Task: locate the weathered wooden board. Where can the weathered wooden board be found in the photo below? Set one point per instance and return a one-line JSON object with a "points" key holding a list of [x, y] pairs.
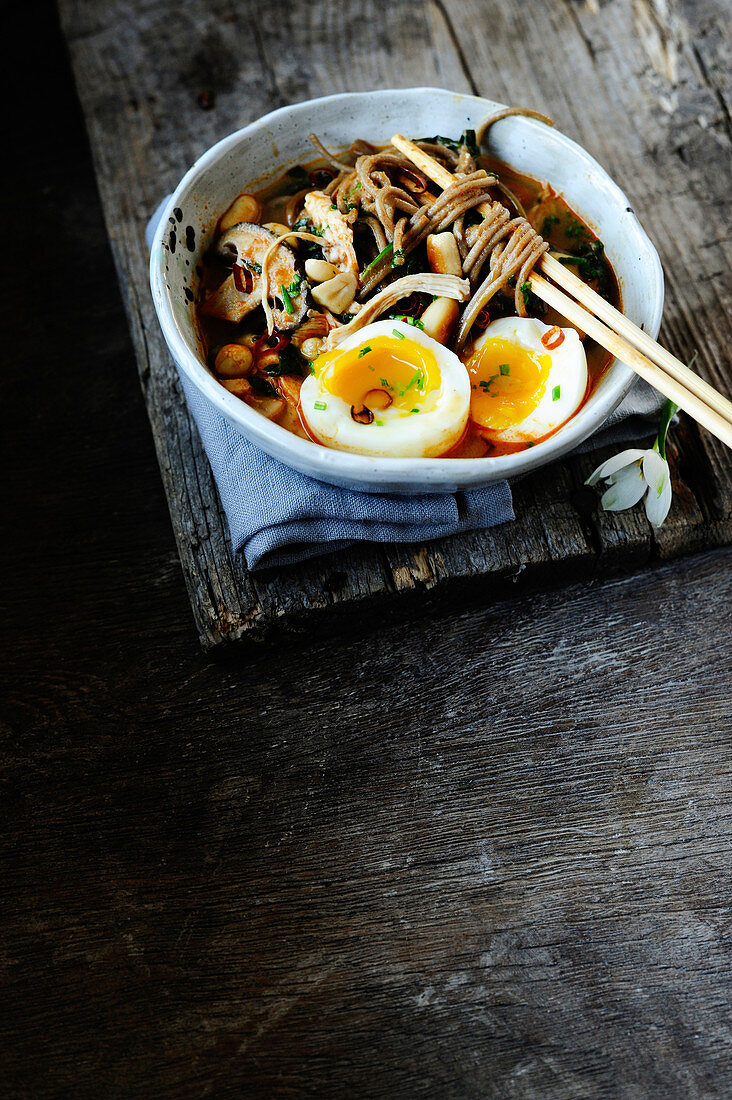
{"points": [[480, 856], [642, 85]]}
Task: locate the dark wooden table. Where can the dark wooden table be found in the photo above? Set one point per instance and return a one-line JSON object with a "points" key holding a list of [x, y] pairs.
{"points": [[467, 854]]}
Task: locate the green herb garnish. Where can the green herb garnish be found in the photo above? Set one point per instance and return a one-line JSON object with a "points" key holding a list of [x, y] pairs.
{"points": [[467, 138], [290, 361], [262, 386], [505, 368], [364, 351], [398, 257], [399, 335], [369, 267], [320, 405], [413, 321], [549, 221], [575, 228], [556, 393], [525, 289], [286, 299]]}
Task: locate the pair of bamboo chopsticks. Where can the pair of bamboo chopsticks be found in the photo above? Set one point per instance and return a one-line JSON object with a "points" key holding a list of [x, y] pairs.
{"points": [[610, 328]]}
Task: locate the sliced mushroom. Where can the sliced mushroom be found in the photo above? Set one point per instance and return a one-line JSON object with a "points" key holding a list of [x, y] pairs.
{"points": [[319, 271], [247, 244], [338, 293], [440, 318], [227, 303], [443, 255], [362, 415], [244, 208]]}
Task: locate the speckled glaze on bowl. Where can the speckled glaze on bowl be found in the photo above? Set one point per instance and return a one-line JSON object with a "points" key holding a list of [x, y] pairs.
{"points": [[278, 141]]}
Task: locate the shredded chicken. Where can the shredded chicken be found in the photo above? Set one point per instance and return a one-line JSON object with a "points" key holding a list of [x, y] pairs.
{"points": [[337, 239], [444, 286]]}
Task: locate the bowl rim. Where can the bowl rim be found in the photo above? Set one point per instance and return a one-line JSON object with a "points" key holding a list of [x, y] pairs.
{"points": [[365, 471]]}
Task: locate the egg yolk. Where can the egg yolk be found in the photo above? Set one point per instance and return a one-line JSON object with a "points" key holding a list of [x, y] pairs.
{"points": [[507, 382], [388, 371]]}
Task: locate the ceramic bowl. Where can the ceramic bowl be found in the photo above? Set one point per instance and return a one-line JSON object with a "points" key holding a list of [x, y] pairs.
{"points": [[264, 149]]}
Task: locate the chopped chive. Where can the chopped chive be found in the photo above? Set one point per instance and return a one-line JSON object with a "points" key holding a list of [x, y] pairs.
{"points": [[525, 289], [505, 368], [397, 257], [294, 286], [379, 423], [320, 405], [414, 321], [556, 392], [414, 411], [364, 351], [399, 335], [369, 267], [287, 300]]}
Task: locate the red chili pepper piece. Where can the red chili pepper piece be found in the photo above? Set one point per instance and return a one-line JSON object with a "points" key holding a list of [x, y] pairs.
{"points": [[412, 181], [483, 319], [243, 280], [412, 306], [553, 338]]}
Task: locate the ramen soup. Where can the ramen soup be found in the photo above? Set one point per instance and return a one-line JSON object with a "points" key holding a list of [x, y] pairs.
{"points": [[356, 303]]}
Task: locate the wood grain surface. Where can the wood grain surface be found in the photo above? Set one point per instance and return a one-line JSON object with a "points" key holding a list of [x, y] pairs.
{"points": [[643, 86], [471, 854]]}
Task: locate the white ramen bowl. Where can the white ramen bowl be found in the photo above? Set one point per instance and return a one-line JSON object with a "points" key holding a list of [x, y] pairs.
{"points": [[263, 150]]}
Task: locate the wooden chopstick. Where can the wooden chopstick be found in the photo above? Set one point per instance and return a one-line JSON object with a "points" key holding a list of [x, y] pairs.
{"points": [[634, 335], [663, 371]]}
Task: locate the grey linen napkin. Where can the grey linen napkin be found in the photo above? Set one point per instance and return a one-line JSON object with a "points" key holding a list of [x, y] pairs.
{"points": [[278, 516]]}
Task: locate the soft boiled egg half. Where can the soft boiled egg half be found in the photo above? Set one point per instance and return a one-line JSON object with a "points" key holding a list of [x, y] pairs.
{"points": [[526, 379], [389, 390]]}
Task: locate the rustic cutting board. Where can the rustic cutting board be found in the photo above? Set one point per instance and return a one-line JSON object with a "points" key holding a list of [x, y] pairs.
{"points": [[641, 85]]}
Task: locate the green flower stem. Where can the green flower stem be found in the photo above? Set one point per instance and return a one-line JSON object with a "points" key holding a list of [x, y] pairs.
{"points": [[668, 412]]}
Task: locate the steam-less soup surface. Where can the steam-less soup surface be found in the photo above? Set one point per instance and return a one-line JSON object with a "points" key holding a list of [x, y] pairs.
{"points": [[354, 303]]}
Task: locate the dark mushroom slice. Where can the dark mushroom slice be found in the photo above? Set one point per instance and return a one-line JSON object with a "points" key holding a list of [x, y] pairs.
{"points": [[361, 414], [247, 244]]}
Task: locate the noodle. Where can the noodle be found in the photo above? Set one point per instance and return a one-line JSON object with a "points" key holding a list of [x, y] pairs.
{"points": [[363, 224]]}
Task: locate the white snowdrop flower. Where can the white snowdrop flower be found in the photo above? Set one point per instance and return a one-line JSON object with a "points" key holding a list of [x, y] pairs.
{"points": [[630, 475], [634, 474]]}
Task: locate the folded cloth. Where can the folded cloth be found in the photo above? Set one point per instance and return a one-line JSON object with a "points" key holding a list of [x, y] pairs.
{"points": [[278, 516]]}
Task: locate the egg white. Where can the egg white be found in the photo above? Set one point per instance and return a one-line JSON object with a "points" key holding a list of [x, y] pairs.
{"points": [[438, 426], [568, 370]]}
